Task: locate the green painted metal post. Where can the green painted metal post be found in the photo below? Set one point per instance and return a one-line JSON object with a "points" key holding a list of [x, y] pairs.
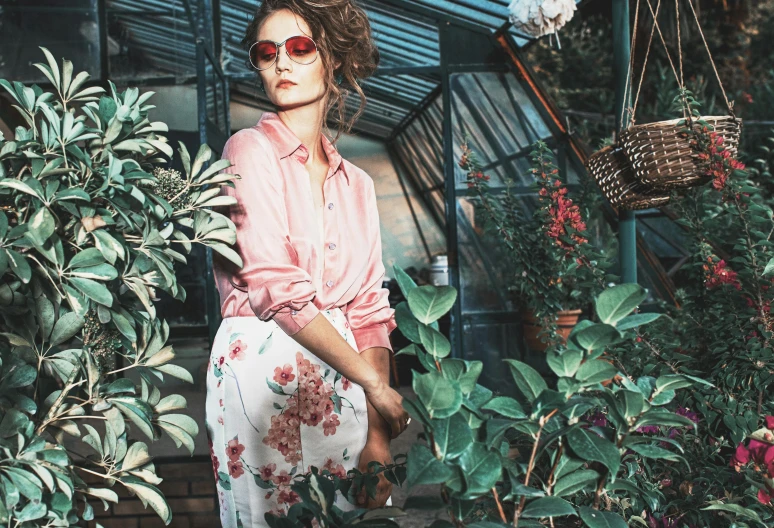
{"points": [[627, 222]]}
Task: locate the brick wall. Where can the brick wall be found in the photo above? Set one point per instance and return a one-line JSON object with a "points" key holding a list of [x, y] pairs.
{"points": [[189, 487]]}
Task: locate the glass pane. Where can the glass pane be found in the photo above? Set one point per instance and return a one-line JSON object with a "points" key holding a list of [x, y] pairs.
{"points": [[68, 30]]}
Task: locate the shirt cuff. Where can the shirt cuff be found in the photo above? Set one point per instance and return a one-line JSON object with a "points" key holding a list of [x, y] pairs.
{"points": [[376, 335], [291, 321]]}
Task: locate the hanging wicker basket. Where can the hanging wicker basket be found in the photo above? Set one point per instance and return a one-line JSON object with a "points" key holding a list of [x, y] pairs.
{"points": [[615, 176], [661, 155]]}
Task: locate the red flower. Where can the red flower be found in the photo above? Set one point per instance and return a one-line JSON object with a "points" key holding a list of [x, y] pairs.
{"points": [[764, 496], [770, 422], [234, 449], [741, 457], [720, 274]]}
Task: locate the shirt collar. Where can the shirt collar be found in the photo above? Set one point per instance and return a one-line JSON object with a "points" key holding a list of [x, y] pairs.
{"points": [[286, 143]]}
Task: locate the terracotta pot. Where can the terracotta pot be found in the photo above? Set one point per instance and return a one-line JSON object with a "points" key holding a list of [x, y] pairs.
{"points": [[567, 321]]}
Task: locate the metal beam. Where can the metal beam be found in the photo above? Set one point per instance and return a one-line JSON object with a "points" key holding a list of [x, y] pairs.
{"points": [[452, 243]]}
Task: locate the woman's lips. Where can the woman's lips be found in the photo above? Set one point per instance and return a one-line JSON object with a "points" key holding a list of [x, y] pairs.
{"points": [[285, 84]]}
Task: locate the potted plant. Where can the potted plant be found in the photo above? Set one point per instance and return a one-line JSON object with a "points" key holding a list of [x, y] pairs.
{"points": [[551, 268]]}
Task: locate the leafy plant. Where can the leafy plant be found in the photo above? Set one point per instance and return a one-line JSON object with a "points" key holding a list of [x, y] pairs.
{"points": [[89, 231], [543, 454], [548, 261]]}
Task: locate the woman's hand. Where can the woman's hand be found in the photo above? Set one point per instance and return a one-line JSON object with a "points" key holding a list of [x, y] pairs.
{"points": [[376, 448], [388, 402]]}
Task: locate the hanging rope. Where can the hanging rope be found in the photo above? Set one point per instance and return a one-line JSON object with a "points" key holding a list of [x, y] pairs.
{"points": [[717, 75], [630, 69]]}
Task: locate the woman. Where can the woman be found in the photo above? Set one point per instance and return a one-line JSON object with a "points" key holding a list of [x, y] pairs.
{"points": [[299, 368]]}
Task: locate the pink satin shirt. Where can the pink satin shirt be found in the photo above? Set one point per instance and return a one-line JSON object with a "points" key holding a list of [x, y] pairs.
{"points": [[298, 261]]}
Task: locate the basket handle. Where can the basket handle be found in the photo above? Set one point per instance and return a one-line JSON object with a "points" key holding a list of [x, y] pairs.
{"points": [[647, 53]]}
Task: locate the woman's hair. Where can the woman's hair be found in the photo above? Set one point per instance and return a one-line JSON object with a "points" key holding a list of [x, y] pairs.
{"points": [[342, 32]]}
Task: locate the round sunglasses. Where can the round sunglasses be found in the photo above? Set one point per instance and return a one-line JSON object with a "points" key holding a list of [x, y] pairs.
{"points": [[300, 48]]}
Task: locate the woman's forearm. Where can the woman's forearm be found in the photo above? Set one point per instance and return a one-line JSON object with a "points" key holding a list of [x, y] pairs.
{"points": [[379, 358], [321, 338]]}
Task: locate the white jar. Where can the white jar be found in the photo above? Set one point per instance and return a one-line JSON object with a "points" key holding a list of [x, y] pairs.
{"points": [[439, 270]]}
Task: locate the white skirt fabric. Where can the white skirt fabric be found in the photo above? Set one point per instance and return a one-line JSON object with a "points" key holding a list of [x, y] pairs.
{"points": [[273, 410]]}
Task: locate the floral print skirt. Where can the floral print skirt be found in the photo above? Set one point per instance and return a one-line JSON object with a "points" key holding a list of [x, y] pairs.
{"points": [[273, 410]]}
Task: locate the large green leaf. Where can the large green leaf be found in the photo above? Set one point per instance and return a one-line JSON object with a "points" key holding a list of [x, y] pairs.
{"points": [[423, 468], [481, 467], [619, 301], [566, 363], [506, 406], [451, 436], [434, 341], [547, 507], [597, 336], [527, 379], [428, 303], [591, 446], [441, 397], [405, 282], [575, 482], [149, 494], [600, 519]]}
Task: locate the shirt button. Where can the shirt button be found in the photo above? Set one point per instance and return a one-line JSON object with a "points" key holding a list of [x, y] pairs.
{"points": [[329, 283], [331, 246], [294, 312], [330, 205]]}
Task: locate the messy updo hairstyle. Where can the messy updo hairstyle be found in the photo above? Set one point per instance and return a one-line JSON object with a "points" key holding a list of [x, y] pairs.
{"points": [[342, 32]]}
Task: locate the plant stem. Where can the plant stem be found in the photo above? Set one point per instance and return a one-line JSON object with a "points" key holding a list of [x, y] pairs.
{"points": [[543, 421]]}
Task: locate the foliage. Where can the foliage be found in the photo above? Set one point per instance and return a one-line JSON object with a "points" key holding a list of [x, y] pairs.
{"points": [[89, 232], [544, 454], [721, 332], [549, 263]]}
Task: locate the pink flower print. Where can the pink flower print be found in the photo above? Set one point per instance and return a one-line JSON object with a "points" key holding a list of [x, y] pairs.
{"points": [[281, 479], [311, 415], [277, 511], [284, 434], [221, 402], [215, 461], [329, 426], [234, 449], [284, 375], [236, 350], [209, 366], [345, 383], [221, 360], [267, 471], [235, 468], [287, 496], [220, 420], [337, 470], [346, 324], [328, 407]]}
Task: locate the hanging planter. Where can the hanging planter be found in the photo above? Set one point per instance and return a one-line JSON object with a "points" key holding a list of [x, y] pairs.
{"points": [[615, 176], [663, 155], [531, 327]]}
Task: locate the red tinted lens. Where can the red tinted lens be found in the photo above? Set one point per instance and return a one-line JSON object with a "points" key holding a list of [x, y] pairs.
{"points": [[301, 49], [262, 54]]}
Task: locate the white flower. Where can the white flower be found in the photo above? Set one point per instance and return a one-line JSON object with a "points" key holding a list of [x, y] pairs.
{"points": [[540, 17]]}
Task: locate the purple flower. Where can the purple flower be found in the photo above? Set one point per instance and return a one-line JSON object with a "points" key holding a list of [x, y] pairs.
{"points": [[648, 429], [692, 416]]}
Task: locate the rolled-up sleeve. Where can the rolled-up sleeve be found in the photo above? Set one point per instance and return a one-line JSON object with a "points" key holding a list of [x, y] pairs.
{"points": [[369, 314], [277, 289]]}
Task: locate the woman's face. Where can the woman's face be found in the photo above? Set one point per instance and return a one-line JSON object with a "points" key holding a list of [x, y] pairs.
{"points": [[308, 79]]}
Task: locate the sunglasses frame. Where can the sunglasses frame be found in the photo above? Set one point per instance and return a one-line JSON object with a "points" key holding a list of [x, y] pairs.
{"points": [[276, 55]]}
